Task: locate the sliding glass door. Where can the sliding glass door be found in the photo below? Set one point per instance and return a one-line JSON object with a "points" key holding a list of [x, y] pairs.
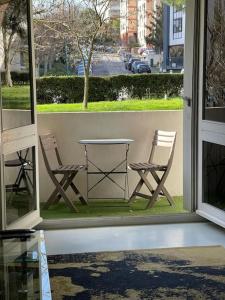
{"points": [[211, 145], [19, 186]]}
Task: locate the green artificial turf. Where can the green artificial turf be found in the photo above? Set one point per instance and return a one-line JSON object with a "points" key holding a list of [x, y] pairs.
{"points": [[126, 105], [16, 97], [101, 208]]}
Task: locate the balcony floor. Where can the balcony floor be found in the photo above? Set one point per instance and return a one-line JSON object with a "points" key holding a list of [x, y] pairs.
{"points": [[112, 207]]}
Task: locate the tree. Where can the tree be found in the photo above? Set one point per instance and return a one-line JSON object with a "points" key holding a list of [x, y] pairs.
{"points": [[174, 2], [87, 24], [155, 37], [48, 46], [48, 43], [81, 24], [13, 26]]}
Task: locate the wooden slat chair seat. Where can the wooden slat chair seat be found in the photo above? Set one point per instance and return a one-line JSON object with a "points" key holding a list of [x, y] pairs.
{"points": [[62, 169], [69, 172], [161, 139], [146, 167]]}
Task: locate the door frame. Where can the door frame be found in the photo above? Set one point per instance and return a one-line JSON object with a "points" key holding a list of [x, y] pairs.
{"points": [[190, 113], [209, 131], [16, 139]]}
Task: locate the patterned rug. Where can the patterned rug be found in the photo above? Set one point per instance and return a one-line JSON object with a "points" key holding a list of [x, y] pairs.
{"points": [[171, 274]]}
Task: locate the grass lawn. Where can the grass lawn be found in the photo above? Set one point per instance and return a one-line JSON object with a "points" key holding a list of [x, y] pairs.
{"points": [[101, 208], [128, 105], [16, 97]]}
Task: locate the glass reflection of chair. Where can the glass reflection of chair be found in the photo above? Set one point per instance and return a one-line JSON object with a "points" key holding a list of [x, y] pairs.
{"points": [[23, 181]]}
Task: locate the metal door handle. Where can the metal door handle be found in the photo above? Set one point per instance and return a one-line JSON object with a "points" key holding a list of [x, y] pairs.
{"points": [[187, 100]]}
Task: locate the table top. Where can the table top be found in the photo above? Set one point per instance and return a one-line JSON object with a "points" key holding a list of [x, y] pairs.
{"points": [[106, 141]]}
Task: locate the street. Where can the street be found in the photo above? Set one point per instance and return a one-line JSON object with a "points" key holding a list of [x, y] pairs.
{"points": [[107, 64]]}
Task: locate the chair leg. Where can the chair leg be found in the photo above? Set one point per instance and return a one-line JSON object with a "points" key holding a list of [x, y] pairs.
{"points": [[63, 194], [143, 176], [74, 188], [52, 198], [138, 186], [26, 182], [166, 193], [136, 190], [78, 194], [157, 190]]}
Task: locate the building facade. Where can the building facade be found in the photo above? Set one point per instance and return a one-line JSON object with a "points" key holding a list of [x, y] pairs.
{"points": [[113, 11], [145, 14], [173, 37], [128, 22]]}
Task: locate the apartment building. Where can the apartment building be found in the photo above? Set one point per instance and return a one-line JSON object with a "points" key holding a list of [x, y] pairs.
{"points": [[145, 9], [145, 13], [174, 34], [128, 22], [114, 9]]}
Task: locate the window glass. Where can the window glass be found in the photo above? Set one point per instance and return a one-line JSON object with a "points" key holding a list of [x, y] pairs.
{"points": [[214, 62], [177, 22], [20, 184], [15, 64], [214, 174]]}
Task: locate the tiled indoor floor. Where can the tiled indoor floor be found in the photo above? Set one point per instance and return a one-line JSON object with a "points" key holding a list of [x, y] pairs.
{"points": [[133, 237]]}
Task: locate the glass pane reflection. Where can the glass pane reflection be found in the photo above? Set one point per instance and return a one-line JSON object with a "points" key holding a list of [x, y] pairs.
{"points": [[15, 64], [214, 174], [23, 269], [214, 87], [19, 174]]}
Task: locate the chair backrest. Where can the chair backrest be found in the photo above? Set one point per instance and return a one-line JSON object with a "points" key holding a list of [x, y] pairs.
{"points": [[48, 143], [164, 139]]}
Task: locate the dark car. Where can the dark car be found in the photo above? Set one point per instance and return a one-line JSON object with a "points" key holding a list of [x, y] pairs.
{"points": [[134, 65], [143, 68], [129, 63], [126, 57]]}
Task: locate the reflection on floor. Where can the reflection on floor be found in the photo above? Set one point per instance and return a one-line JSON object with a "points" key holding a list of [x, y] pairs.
{"points": [[112, 207], [133, 237]]}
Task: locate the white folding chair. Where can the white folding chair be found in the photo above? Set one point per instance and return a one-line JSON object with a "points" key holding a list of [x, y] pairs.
{"points": [[69, 172], [161, 139]]}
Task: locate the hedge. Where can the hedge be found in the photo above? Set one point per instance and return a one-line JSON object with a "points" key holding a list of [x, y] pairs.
{"points": [[69, 89], [17, 77]]}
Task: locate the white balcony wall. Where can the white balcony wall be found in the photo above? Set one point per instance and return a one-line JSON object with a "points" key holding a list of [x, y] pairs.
{"points": [[69, 128]]}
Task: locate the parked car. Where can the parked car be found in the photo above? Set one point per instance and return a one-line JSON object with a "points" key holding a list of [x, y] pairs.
{"points": [[143, 68], [80, 69], [126, 57], [129, 63], [134, 65]]}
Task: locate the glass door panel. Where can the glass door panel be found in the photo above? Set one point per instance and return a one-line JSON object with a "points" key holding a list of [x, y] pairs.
{"points": [[214, 62], [18, 131], [15, 64], [213, 174], [211, 146], [20, 184]]}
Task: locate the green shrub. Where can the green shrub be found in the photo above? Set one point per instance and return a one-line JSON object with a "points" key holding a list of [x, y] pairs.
{"points": [[19, 78], [69, 89]]}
